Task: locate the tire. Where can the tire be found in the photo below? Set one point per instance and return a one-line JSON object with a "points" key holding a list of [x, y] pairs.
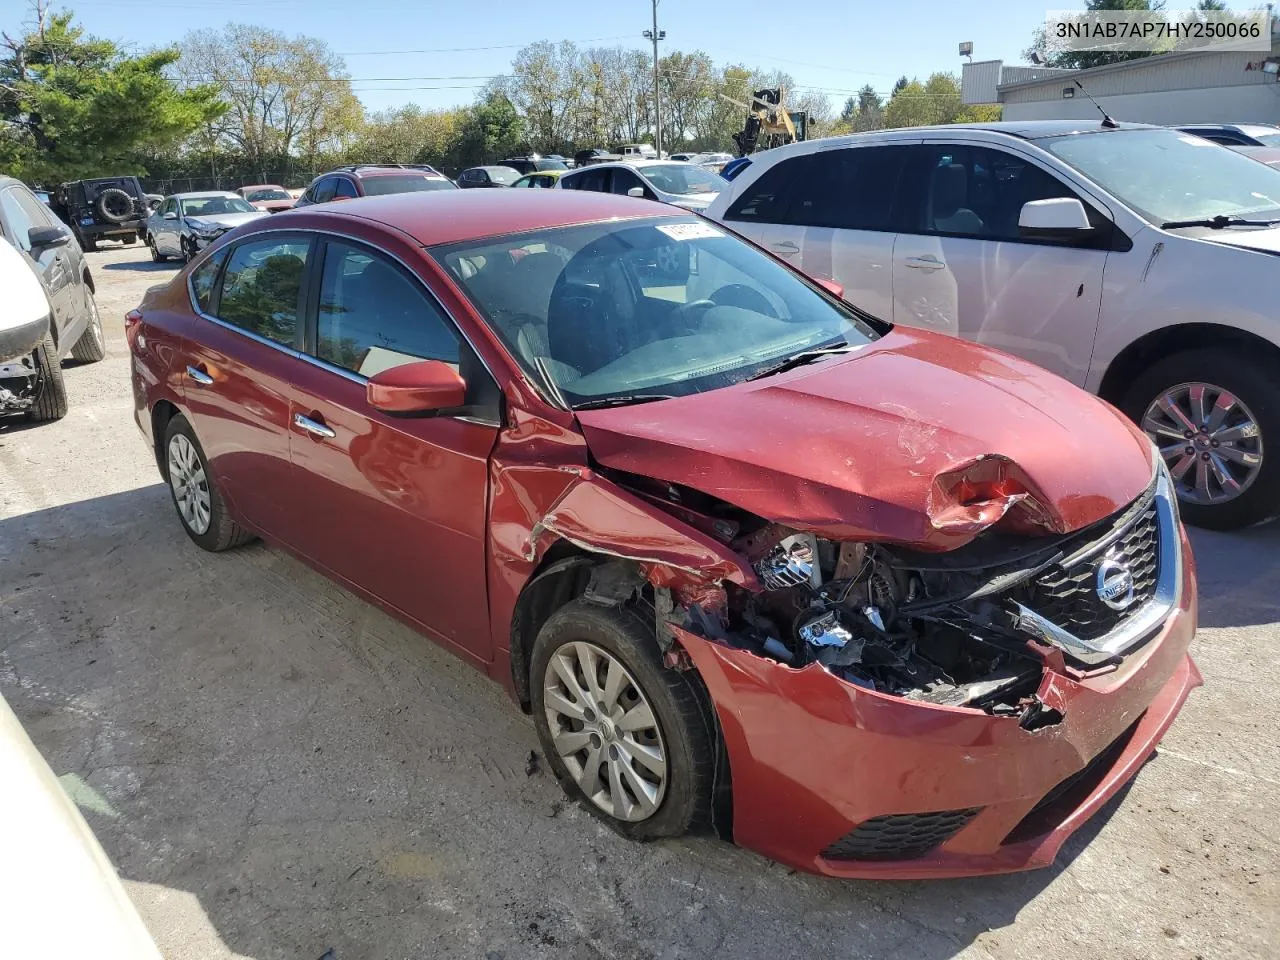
{"points": [[51, 396], [114, 205], [156, 255], [87, 245], [92, 345], [130, 240], [188, 250], [1256, 398], [189, 476], [682, 732]]}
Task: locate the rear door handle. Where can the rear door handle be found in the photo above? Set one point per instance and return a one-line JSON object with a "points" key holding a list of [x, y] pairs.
{"points": [[786, 246], [313, 427], [199, 376], [925, 263]]}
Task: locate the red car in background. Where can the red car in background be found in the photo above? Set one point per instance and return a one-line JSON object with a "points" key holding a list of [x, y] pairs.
{"points": [[889, 603], [268, 197]]}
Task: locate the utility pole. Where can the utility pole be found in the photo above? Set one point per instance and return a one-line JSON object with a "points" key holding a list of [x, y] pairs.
{"points": [[655, 35]]}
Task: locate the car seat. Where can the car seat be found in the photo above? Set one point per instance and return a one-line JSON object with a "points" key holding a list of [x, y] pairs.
{"points": [[948, 193]]}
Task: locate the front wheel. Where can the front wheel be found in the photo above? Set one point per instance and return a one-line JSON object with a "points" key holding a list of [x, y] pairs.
{"points": [[156, 255], [51, 390], [200, 507], [627, 736], [188, 250], [1212, 414]]}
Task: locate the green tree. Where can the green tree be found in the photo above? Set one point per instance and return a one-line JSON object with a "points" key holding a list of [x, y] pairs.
{"points": [[285, 97], [1210, 6], [870, 114], [936, 101], [1043, 49], [899, 86], [73, 106], [489, 130]]}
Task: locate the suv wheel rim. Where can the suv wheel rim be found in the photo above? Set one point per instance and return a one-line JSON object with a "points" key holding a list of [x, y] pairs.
{"points": [[189, 483], [1209, 439], [95, 322], [605, 731]]}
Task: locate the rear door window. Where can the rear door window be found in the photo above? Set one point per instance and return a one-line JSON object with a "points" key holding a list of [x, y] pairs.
{"points": [[262, 285], [345, 189]]}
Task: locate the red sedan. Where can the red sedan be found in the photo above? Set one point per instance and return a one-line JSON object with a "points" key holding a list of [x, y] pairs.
{"points": [[887, 603]]}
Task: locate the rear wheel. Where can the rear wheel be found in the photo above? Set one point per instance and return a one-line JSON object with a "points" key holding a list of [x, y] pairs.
{"points": [[92, 345], [131, 239], [86, 244], [195, 496], [627, 736], [1212, 414], [51, 390]]}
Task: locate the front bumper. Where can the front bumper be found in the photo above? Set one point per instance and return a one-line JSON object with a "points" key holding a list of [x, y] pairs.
{"points": [[202, 240], [813, 758]]}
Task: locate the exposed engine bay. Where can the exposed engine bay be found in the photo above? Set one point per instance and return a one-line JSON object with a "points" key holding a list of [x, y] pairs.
{"points": [[862, 613]]}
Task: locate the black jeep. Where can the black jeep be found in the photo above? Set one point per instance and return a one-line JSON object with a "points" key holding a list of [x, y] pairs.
{"points": [[105, 208]]}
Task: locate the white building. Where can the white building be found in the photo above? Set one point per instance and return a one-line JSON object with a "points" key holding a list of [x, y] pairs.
{"points": [[1169, 89]]}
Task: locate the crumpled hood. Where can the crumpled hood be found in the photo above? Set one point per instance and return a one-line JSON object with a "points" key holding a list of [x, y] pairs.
{"points": [[227, 220], [917, 439]]}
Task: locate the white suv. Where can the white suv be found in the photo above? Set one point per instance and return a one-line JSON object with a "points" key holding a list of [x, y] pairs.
{"points": [[1138, 262]]}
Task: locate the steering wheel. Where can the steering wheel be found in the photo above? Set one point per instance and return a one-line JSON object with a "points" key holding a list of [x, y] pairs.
{"points": [[683, 316], [744, 297]]}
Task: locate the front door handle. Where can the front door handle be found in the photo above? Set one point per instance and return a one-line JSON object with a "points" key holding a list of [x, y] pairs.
{"points": [[925, 263], [786, 246], [199, 376], [313, 427]]}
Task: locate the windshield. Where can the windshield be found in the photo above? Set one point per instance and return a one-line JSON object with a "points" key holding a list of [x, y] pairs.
{"points": [[271, 194], [1168, 176], [549, 164], [682, 178], [663, 307], [404, 183], [213, 206]]}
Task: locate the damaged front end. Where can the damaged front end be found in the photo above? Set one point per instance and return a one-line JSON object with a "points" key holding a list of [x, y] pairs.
{"points": [[965, 709], [973, 627]]}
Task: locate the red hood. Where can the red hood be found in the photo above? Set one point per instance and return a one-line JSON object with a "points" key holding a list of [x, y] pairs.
{"points": [[917, 438]]}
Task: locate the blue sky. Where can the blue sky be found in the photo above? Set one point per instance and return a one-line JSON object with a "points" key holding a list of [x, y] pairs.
{"points": [[834, 46]]}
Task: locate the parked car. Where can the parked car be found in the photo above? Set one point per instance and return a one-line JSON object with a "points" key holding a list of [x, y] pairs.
{"points": [[644, 151], [585, 158], [481, 177], [186, 223], [684, 157], [565, 160], [1007, 234], [1268, 155], [1237, 134], [268, 197], [534, 163], [547, 179], [24, 312], [31, 374], [669, 181], [928, 602], [61, 895], [372, 180], [153, 200], [103, 208]]}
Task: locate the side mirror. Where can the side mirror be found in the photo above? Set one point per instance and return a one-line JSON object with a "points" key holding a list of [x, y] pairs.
{"points": [[1061, 217], [831, 286], [169, 215], [46, 238], [421, 387], [636, 192]]}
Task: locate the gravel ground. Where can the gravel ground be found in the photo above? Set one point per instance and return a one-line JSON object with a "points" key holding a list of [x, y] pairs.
{"points": [[279, 770]]}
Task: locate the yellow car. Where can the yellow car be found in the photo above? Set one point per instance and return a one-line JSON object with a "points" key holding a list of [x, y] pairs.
{"points": [[541, 178]]}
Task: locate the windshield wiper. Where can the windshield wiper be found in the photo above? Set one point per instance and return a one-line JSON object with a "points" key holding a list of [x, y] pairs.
{"points": [[800, 359], [621, 401], [1218, 223]]}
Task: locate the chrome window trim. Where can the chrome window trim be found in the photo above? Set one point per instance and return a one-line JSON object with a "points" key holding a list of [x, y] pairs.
{"points": [[1167, 596], [324, 364]]}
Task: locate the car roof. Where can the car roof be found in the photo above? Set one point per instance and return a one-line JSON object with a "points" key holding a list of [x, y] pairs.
{"points": [[452, 216], [500, 166], [1249, 128], [204, 195], [638, 163], [261, 186]]}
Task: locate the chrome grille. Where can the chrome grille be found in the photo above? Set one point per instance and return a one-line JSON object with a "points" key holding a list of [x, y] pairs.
{"points": [[1068, 596]]}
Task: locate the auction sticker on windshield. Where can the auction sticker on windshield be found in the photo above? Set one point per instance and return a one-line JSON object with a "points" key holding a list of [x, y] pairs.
{"points": [[689, 231]]}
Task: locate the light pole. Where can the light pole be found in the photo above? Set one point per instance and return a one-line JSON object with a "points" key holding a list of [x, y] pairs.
{"points": [[655, 35]]}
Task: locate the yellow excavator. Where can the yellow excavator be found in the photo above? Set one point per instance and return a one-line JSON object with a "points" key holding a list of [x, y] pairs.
{"points": [[769, 122]]}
